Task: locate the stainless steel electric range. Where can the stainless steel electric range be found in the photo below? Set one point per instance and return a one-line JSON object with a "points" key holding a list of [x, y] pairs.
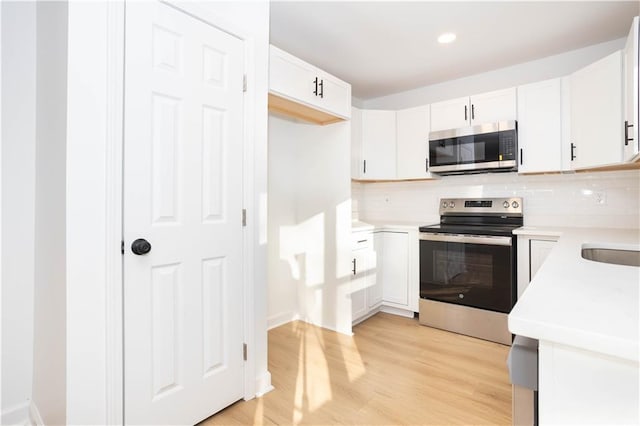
{"points": [[468, 267]]}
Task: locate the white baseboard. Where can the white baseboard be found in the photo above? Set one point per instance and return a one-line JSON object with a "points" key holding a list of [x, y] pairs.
{"points": [[397, 311], [34, 415], [280, 319], [16, 415], [263, 384]]}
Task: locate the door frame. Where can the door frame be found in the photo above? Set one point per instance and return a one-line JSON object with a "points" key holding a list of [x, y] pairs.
{"points": [[106, 405]]}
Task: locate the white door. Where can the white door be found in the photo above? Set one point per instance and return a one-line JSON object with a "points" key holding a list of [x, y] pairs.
{"points": [[182, 192]]}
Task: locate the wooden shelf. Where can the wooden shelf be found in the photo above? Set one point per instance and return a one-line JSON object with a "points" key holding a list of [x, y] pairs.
{"points": [[293, 109]]}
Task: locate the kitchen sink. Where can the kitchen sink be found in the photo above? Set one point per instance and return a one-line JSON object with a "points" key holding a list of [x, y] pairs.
{"points": [[629, 256]]}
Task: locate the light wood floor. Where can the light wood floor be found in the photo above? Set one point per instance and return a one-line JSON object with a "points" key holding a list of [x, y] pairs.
{"points": [[392, 371]]}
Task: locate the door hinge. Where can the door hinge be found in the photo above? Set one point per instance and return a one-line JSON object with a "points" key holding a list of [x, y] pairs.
{"points": [[244, 83], [244, 351], [122, 247], [244, 217]]}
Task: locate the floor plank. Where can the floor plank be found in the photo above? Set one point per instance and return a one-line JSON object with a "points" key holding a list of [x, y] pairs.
{"points": [[392, 371]]}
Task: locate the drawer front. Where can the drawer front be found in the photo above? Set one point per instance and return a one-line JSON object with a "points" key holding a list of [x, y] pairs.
{"points": [[361, 240]]}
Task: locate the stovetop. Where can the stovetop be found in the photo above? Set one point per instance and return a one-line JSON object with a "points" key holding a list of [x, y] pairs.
{"points": [[497, 230]]}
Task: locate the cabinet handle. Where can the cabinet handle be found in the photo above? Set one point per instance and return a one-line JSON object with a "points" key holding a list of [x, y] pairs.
{"points": [[627, 139], [573, 147], [473, 112], [354, 266], [521, 156], [465, 113], [321, 84], [426, 165], [364, 171], [315, 82]]}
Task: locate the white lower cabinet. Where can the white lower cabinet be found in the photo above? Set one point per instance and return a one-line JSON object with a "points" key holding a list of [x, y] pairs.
{"points": [[577, 386], [385, 273], [532, 252], [364, 285], [398, 275]]}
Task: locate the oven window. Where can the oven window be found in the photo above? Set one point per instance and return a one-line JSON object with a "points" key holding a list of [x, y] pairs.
{"points": [[475, 275]]}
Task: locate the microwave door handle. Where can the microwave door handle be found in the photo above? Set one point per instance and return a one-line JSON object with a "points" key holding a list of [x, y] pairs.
{"points": [[468, 239]]}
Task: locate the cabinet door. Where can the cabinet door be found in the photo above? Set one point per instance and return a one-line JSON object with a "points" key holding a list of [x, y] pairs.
{"points": [[374, 289], [296, 80], [631, 107], [395, 268], [540, 126], [450, 114], [379, 144], [538, 252], [334, 95], [412, 142], [356, 144], [493, 106], [289, 76], [359, 307], [596, 113]]}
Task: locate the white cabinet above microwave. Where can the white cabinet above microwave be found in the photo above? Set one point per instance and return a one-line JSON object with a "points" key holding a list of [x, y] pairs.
{"points": [[298, 89], [477, 109]]}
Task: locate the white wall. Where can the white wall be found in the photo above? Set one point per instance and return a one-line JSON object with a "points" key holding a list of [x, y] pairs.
{"points": [[49, 369], [551, 200], [18, 192], [309, 249], [528, 72]]}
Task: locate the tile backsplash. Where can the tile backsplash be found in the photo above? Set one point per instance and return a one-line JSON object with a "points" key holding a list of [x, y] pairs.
{"points": [[603, 199]]}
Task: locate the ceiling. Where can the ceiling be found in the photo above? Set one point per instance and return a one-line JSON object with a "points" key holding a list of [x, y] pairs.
{"points": [[383, 47]]}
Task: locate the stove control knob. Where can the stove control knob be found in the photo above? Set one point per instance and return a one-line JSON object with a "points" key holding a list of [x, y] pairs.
{"points": [[505, 204], [515, 205], [445, 205], [452, 204]]}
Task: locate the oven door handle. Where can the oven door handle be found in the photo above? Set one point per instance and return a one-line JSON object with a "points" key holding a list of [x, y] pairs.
{"points": [[489, 240]]}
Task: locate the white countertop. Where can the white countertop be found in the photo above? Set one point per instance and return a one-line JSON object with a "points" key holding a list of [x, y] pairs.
{"points": [[357, 225], [582, 303]]}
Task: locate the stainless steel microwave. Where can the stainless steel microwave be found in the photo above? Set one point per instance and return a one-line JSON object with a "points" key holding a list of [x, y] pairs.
{"points": [[486, 147]]}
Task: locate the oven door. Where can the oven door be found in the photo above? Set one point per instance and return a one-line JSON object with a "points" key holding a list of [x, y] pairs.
{"points": [[467, 270]]}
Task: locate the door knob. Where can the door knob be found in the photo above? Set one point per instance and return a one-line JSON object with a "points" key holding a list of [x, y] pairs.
{"points": [[140, 246]]}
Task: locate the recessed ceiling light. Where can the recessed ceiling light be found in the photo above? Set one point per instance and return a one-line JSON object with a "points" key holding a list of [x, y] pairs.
{"points": [[446, 38]]}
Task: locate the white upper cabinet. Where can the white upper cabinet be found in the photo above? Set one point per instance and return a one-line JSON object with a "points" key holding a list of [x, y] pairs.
{"points": [[299, 89], [493, 106], [356, 143], [412, 143], [540, 126], [631, 107], [596, 114], [378, 145], [468, 111], [450, 114]]}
